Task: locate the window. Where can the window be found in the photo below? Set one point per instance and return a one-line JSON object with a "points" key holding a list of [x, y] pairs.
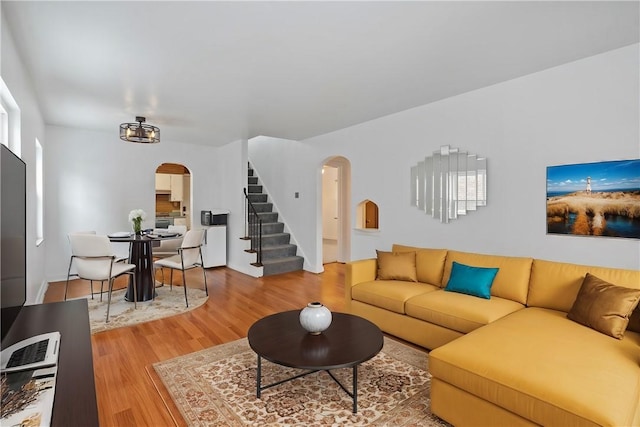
{"points": [[4, 126], [39, 194], [9, 120]]}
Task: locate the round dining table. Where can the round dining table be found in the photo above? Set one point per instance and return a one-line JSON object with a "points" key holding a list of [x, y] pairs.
{"points": [[141, 255]]}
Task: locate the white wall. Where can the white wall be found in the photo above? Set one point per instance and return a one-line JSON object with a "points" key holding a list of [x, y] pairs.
{"points": [[231, 179], [17, 81], [93, 179], [584, 111]]}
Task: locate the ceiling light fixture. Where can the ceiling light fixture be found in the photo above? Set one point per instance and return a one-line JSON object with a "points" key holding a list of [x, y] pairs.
{"points": [[137, 132]]}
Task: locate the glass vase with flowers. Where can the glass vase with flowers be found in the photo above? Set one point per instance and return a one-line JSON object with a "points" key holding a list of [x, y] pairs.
{"points": [[136, 217]]}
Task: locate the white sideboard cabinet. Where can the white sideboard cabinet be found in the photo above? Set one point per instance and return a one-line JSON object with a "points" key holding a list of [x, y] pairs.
{"points": [[214, 249]]}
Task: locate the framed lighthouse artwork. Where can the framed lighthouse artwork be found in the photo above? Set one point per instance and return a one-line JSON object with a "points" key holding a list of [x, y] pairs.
{"points": [[594, 199]]}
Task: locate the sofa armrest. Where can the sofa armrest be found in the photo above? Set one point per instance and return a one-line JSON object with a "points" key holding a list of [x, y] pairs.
{"points": [[363, 270]]}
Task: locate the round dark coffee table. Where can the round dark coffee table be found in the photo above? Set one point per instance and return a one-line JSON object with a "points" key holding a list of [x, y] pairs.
{"points": [[349, 341]]}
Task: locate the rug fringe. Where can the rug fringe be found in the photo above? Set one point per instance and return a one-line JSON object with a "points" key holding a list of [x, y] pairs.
{"points": [[163, 393]]}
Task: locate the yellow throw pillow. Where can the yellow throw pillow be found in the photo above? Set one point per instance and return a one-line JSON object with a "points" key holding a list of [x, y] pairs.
{"points": [[634, 320], [603, 306], [397, 266]]}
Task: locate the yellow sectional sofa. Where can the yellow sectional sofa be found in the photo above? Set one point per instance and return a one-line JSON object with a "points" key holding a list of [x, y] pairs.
{"points": [[514, 359]]}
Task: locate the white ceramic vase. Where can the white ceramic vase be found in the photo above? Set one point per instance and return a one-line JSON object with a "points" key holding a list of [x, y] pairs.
{"points": [[315, 318]]}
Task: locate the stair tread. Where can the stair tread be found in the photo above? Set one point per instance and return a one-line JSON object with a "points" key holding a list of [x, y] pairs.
{"points": [[276, 247], [283, 259]]}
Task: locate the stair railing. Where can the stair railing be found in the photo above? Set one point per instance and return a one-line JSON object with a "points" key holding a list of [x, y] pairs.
{"points": [[253, 229]]}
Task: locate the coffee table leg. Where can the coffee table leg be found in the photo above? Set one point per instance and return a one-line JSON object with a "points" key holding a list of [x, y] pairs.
{"points": [[355, 389], [258, 377]]}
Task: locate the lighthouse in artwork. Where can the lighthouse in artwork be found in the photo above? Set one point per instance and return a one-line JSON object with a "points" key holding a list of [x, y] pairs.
{"points": [[588, 185]]}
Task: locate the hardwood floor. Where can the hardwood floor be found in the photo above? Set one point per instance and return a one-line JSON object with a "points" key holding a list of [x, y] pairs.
{"points": [[127, 397]]}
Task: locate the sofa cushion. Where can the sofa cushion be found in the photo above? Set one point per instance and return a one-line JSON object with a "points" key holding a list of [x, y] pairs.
{"points": [[555, 285], [396, 266], [512, 280], [459, 312], [572, 376], [429, 263], [475, 281], [603, 306], [389, 294]]}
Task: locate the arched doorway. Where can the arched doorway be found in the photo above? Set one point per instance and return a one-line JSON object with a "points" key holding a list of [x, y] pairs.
{"points": [[336, 213], [173, 195]]}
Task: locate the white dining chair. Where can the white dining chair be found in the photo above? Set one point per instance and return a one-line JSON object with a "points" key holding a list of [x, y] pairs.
{"points": [[95, 261], [189, 256], [121, 256], [169, 246], [76, 274]]}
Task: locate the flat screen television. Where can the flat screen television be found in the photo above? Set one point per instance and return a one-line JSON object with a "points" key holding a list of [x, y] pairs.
{"points": [[13, 236]]}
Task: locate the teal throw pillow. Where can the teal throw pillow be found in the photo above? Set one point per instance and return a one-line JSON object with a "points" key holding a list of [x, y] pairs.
{"points": [[469, 280]]}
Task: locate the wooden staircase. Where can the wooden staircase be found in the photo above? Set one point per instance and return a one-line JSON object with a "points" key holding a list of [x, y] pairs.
{"points": [[278, 254]]}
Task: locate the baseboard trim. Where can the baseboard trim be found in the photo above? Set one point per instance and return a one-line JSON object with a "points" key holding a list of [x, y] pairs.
{"points": [[42, 292]]}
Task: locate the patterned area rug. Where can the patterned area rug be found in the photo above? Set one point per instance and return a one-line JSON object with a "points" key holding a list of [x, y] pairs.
{"points": [[168, 302], [217, 387]]}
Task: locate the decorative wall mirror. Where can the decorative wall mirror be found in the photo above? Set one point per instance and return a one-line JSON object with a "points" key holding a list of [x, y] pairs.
{"points": [[449, 183]]}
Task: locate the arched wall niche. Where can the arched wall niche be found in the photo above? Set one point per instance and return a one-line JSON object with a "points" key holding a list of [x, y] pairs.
{"points": [[367, 215]]}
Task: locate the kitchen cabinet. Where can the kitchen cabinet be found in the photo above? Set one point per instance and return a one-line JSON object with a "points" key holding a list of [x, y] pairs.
{"points": [[163, 182], [172, 184], [176, 188], [180, 221]]}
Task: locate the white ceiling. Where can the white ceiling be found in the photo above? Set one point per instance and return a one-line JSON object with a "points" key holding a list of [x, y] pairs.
{"points": [[214, 72]]}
